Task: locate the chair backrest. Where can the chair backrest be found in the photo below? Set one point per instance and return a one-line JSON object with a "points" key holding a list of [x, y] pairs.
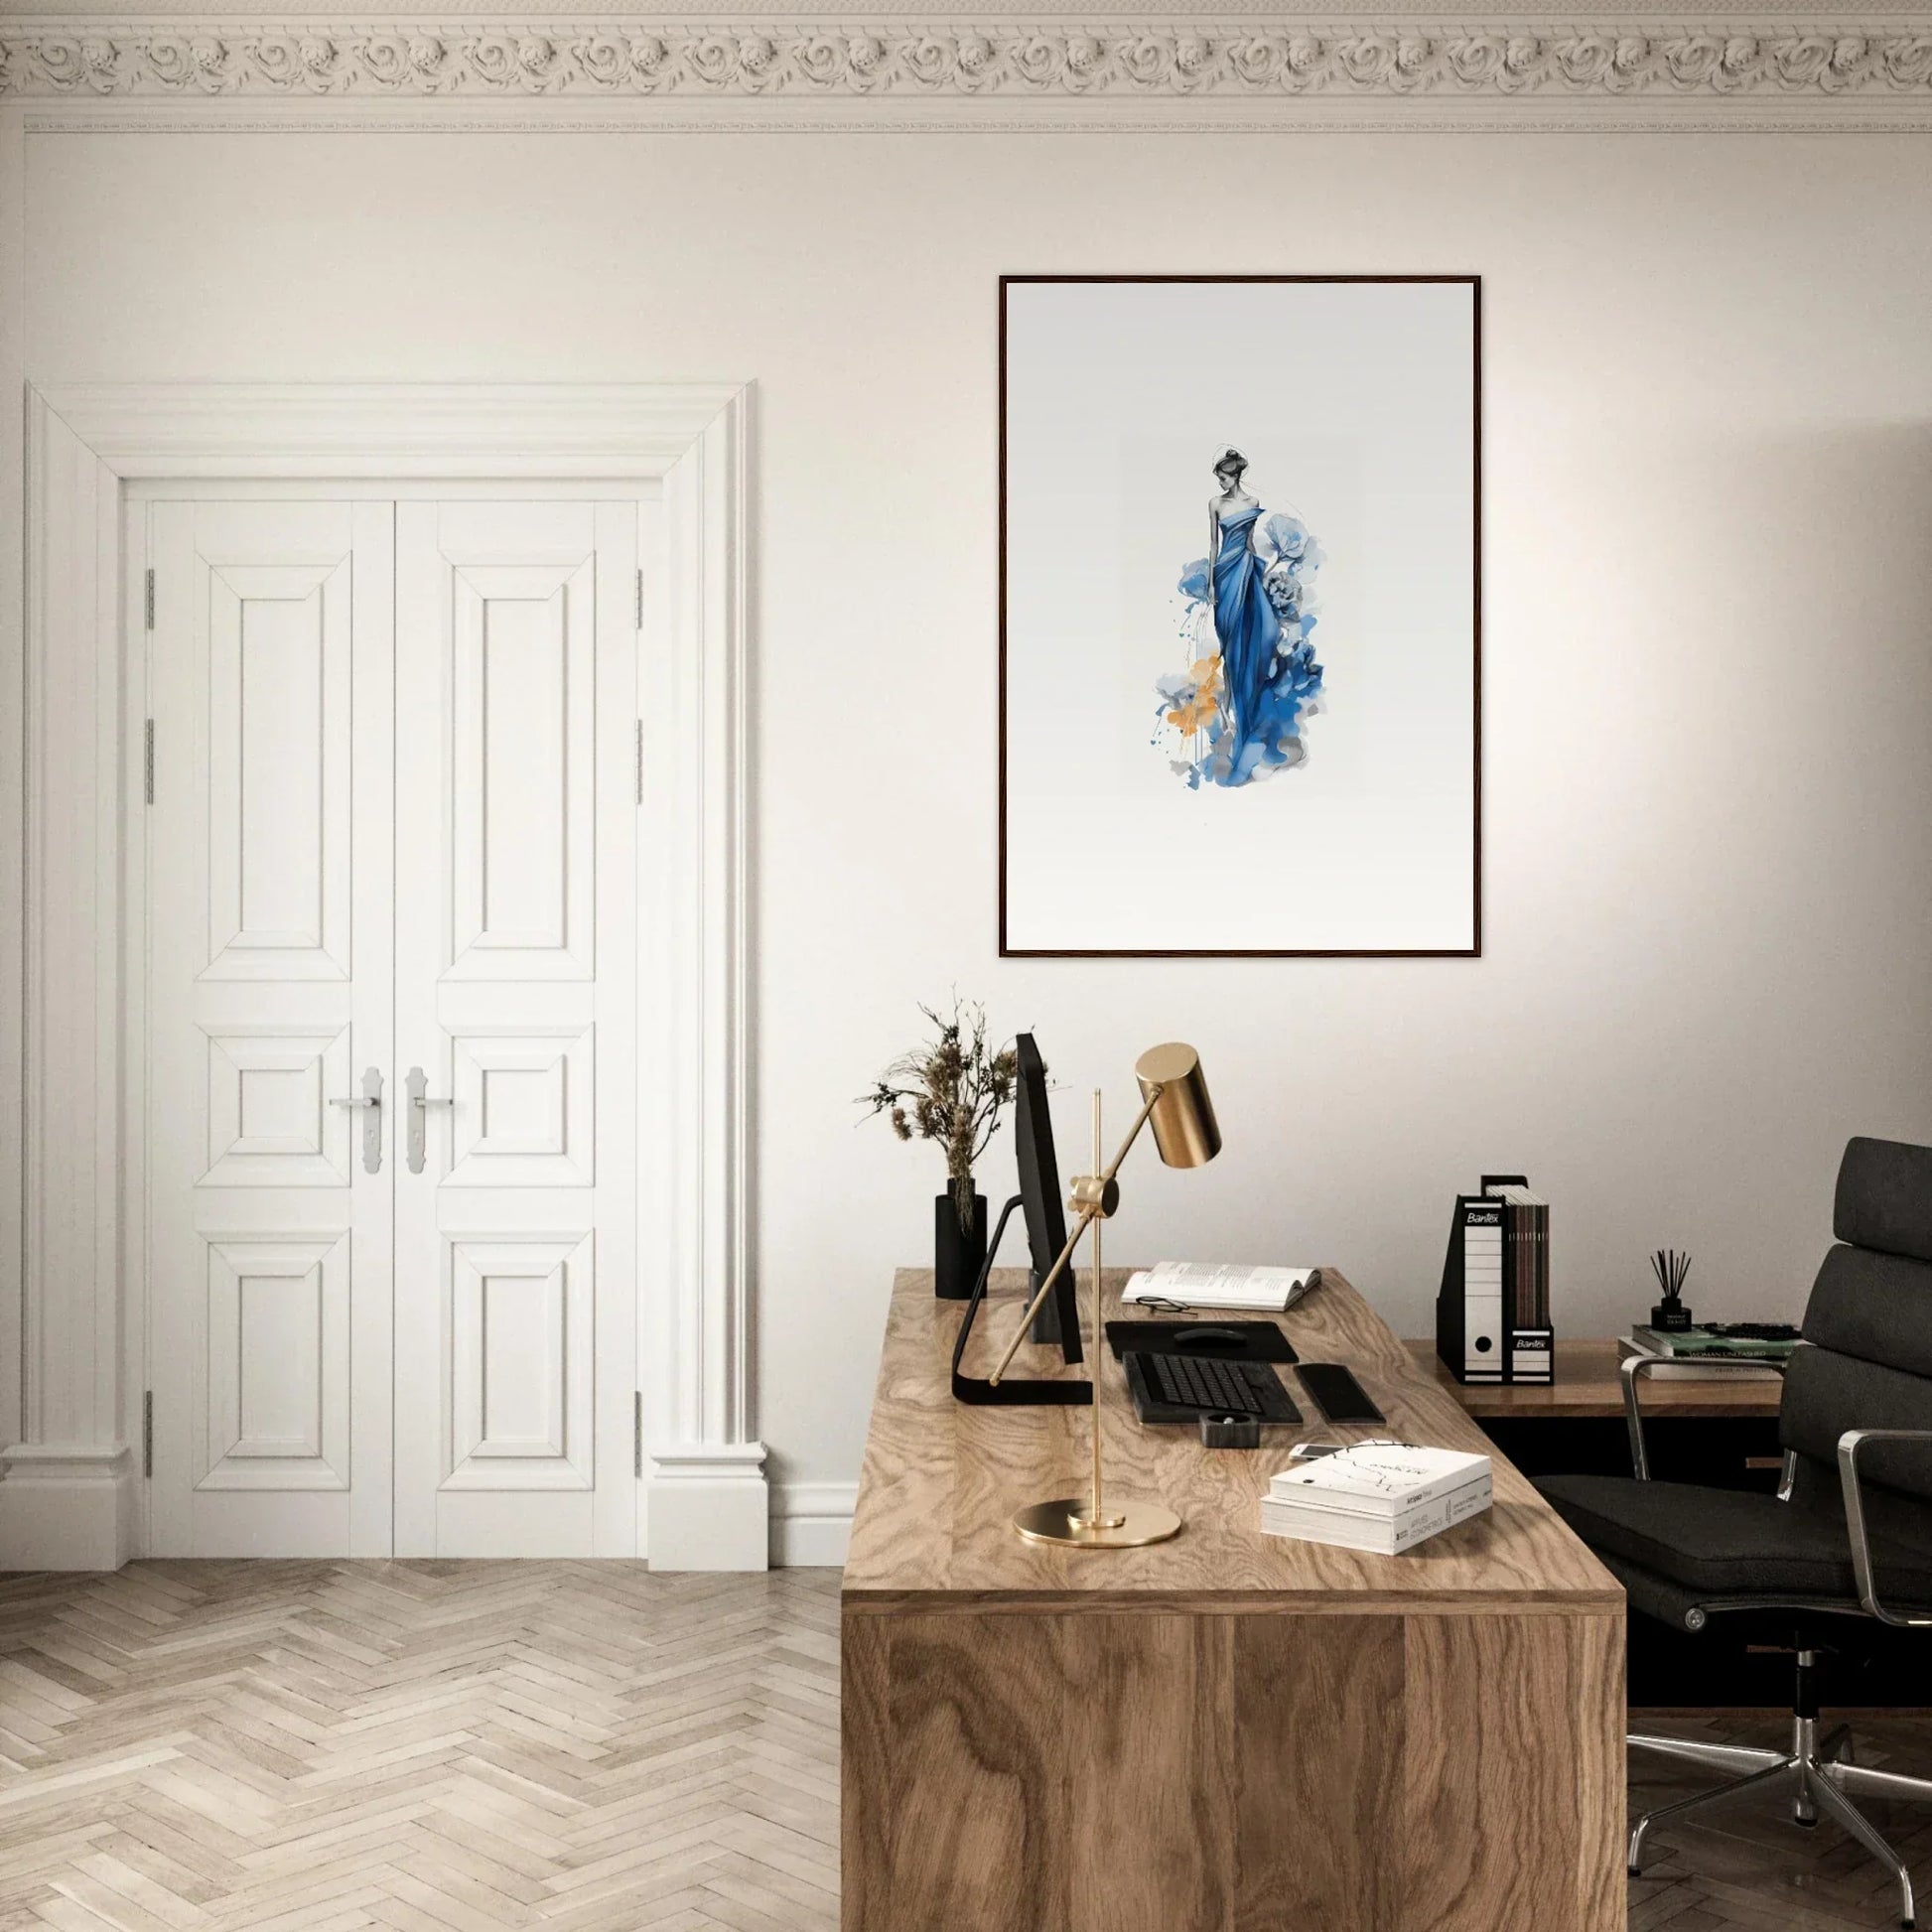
{"points": [[1869, 1324]]}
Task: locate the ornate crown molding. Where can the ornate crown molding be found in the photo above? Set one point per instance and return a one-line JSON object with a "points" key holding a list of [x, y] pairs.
{"points": [[962, 64]]}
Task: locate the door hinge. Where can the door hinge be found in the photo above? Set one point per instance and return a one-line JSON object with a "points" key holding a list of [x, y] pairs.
{"points": [[150, 600], [641, 600], [147, 1433], [637, 1433], [147, 762], [640, 760]]}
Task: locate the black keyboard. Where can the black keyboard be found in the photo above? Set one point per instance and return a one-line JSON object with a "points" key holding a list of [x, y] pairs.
{"points": [[1207, 1387]]}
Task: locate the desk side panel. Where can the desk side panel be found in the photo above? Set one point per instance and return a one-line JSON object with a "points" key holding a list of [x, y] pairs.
{"points": [[1317, 1747], [864, 1759], [956, 1784], [1151, 1707], [1513, 1795], [1146, 1772]]}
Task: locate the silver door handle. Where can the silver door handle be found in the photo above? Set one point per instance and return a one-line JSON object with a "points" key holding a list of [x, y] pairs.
{"points": [[370, 1100], [420, 1102]]}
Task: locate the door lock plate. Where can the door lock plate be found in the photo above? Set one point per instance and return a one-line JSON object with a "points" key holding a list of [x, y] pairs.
{"points": [[370, 1102]]}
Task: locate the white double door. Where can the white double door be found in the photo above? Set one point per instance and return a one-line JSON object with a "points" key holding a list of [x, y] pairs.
{"points": [[390, 1110]]}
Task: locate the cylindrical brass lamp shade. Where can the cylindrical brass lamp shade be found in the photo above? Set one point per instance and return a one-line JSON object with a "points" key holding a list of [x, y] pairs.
{"points": [[1183, 1119]]}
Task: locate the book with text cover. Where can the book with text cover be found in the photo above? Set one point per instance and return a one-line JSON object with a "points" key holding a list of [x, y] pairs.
{"points": [[1377, 1496], [1673, 1367]]}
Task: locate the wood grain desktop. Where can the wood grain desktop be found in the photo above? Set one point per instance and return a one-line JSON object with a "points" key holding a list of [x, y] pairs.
{"points": [[1227, 1732]]}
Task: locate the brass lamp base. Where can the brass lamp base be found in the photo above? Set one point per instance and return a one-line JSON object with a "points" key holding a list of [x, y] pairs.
{"points": [[1128, 1526]]}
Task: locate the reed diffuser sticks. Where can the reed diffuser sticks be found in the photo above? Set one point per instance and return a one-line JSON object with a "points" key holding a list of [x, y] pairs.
{"points": [[1670, 1267]]}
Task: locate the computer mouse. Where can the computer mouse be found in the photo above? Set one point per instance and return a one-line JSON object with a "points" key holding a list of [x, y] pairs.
{"points": [[1209, 1338]]}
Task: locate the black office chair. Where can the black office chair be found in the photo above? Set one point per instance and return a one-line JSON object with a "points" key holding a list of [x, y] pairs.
{"points": [[1848, 1538]]}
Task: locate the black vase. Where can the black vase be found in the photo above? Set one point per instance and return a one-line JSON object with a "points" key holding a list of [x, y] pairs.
{"points": [[958, 1254]]}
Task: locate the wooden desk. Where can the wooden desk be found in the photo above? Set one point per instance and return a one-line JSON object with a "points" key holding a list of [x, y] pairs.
{"points": [[1227, 1732], [1588, 1386]]}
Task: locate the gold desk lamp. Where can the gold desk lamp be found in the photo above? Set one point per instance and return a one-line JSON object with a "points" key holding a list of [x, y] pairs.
{"points": [[1175, 1101]]}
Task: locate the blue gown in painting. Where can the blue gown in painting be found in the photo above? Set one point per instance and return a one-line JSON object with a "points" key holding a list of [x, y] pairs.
{"points": [[1249, 631], [1239, 708]]}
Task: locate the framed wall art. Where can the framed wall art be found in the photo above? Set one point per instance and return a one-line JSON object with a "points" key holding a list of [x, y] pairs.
{"points": [[1240, 615]]}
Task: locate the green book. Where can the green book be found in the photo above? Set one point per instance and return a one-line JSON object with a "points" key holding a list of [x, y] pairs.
{"points": [[1700, 1342]]}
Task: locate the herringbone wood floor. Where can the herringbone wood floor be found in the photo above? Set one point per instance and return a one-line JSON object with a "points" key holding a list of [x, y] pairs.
{"points": [[459, 1748], [429, 1747]]}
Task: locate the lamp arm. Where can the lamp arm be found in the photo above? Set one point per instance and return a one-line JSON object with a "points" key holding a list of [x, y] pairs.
{"points": [[1088, 1216], [1133, 1133]]}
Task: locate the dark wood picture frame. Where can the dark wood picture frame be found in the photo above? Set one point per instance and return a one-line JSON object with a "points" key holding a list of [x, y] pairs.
{"points": [[1474, 949]]}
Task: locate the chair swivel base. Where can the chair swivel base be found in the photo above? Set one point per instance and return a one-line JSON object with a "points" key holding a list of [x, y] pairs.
{"points": [[1819, 1773]]}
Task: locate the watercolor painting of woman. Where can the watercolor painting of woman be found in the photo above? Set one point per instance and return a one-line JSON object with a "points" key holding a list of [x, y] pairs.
{"points": [[1239, 706]]}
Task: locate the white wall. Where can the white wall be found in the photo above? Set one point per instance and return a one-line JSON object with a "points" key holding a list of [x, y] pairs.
{"points": [[1708, 640]]}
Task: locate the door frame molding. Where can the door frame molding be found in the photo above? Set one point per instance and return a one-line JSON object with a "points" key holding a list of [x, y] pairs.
{"points": [[69, 1497]]}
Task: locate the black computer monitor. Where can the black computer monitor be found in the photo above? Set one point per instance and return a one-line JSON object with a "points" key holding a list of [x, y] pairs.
{"points": [[1040, 1198]]}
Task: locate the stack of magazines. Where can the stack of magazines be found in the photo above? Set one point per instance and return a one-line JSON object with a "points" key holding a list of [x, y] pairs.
{"points": [[1381, 1496], [1687, 1353]]}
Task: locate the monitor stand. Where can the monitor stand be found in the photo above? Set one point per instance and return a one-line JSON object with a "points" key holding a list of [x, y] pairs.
{"points": [[1013, 1391], [1046, 1323]]}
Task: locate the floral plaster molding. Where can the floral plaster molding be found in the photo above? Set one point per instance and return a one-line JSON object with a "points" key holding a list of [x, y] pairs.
{"points": [[963, 62], [74, 72]]}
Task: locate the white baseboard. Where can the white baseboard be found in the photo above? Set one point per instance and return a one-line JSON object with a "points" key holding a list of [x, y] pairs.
{"points": [[709, 1507], [64, 1508], [811, 1524], [75, 1510]]}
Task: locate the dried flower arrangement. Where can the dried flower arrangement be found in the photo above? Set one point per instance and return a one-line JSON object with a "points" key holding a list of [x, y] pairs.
{"points": [[953, 1090]]}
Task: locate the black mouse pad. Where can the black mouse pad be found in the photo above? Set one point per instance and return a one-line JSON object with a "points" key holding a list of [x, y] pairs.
{"points": [[1227, 1341]]}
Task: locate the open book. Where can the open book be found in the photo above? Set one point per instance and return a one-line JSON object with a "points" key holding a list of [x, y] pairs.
{"points": [[1213, 1284]]}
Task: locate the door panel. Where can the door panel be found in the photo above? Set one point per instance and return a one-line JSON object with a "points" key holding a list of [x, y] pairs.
{"points": [[516, 978], [270, 893], [523, 875], [278, 1404], [270, 1123], [525, 1104], [520, 1344], [279, 675]]}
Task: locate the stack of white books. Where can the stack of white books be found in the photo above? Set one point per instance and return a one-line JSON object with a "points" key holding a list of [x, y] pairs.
{"points": [[1216, 1284], [1381, 1496]]}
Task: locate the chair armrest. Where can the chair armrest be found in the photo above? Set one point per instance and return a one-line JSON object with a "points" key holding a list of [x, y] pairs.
{"points": [[1633, 1368], [1848, 1445]]}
